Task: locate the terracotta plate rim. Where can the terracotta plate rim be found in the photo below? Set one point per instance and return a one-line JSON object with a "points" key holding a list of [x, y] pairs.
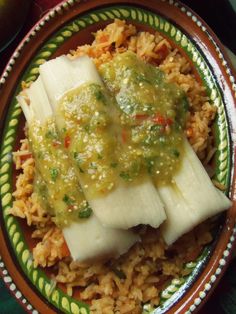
{"points": [[223, 256]]}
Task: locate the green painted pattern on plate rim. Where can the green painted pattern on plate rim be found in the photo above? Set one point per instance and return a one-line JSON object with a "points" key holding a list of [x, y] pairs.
{"points": [[45, 286]]}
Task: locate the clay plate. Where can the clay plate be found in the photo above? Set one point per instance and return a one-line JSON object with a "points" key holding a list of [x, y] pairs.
{"points": [[65, 27]]}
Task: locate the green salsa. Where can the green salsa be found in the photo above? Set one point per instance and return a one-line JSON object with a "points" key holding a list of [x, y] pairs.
{"points": [[56, 183], [152, 115], [86, 124]]}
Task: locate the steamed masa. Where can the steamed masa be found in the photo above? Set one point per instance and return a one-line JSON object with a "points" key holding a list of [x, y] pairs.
{"points": [[123, 285]]}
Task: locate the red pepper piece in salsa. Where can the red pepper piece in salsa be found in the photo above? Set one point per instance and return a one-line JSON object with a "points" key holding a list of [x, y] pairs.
{"points": [[67, 141]]}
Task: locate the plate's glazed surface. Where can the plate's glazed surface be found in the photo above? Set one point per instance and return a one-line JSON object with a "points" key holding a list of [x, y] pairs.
{"points": [[67, 26]]}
